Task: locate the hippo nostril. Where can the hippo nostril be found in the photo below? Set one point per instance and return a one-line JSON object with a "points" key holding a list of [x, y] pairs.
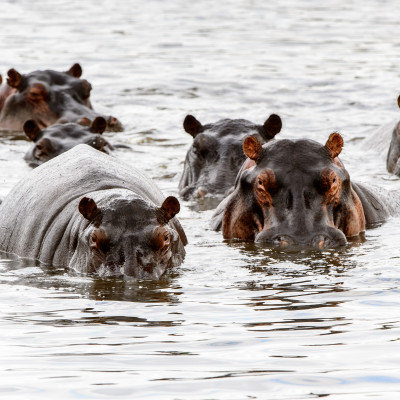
{"points": [[282, 240], [201, 192], [320, 241]]}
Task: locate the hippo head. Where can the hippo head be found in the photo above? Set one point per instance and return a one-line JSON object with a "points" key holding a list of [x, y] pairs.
{"points": [[216, 155], [294, 193], [393, 155], [48, 97], [128, 236], [59, 138]]}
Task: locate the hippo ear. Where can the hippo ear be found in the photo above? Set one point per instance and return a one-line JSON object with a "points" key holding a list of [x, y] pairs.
{"points": [[272, 126], [170, 207], [398, 101], [334, 144], [191, 125], [252, 148], [88, 208], [14, 78], [32, 130], [1, 79], [75, 71], [99, 125]]}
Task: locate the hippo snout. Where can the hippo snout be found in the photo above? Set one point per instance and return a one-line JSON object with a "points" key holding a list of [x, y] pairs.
{"points": [[201, 192], [329, 239]]}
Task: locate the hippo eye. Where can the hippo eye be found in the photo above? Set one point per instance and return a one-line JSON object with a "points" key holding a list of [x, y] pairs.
{"points": [[329, 186], [98, 241], [198, 151]]}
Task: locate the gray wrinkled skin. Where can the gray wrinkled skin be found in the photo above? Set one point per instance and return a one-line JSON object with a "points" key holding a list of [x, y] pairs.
{"points": [[59, 138], [40, 220], [215, 157], [49, 97], [392, 160]]}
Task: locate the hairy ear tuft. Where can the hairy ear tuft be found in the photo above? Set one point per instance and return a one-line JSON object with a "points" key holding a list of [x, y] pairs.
{"points": [[272, 126], [32, 130], [191, 125], [170, 207], [334, 144], [14, 78], [252, 148], [88, 208], [99, 125], [75, 71]]}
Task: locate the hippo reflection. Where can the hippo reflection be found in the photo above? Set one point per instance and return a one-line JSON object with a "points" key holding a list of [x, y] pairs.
{"points": [[90, 212], [297, 192], [215, 156], [48, 97]]}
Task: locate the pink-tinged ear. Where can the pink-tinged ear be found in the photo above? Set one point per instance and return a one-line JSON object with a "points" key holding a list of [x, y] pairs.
{"points": [[334, 144], [170, 207], [14, 78], [99, 125], [75, 70], [252, 148], [1, 79], [32, 129], [88, 208], [191, 125], [272, 126], [398, 101]]}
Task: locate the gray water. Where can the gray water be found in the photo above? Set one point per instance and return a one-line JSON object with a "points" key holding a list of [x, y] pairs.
{"points": [[235, 321]]}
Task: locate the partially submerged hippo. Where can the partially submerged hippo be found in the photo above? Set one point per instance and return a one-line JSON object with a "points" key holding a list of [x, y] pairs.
{"points": [[297, 192], [90, 212], [59, 138], [48, 97], [393, 156], [215, 156]]}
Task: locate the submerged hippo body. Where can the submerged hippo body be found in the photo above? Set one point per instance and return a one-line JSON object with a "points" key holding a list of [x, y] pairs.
{"points": [[393, 156], [90, 212], [215, 156], [48, 97], [59, 138], [299, 193]]}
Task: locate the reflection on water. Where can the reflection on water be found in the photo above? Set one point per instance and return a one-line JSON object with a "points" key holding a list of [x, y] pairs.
{"points": [[236, 320]]}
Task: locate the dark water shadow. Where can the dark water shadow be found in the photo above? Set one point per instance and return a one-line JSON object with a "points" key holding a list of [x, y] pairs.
{"points": [[25, 272], [297, 281], [12, 135], [268, 258]]}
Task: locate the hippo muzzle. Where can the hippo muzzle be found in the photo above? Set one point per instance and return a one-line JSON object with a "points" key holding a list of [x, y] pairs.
{"points": [[326, 238]]}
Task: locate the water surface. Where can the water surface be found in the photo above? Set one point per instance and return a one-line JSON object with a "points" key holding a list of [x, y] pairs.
{"points": [[235, 321]]}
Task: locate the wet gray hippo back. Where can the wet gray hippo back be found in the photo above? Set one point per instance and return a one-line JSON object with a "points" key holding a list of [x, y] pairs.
{"points": [[91, 212]]}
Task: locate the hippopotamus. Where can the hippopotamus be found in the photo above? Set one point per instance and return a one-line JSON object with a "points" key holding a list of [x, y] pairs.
{"points": [[215, 155], [392, 160], [298, 193], [48, 97], [94, 214], [59, 138]]}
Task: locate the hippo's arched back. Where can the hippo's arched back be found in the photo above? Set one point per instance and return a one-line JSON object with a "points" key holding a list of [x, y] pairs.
{"points": [[40, 218]]}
